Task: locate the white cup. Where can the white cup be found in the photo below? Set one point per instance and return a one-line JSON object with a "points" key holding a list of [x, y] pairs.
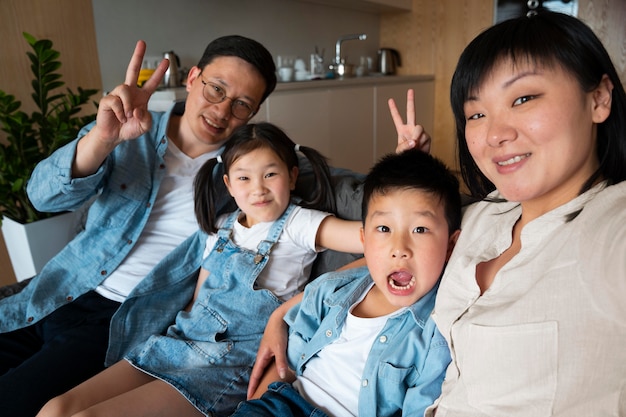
{"points": [[302, 75], [285, 74], [299, 65]]}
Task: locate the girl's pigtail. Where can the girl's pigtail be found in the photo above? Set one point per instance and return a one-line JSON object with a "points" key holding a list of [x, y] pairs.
{"points": [[205, 196], [323, 196]]}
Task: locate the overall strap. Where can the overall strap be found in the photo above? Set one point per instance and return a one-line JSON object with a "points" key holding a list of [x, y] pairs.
{"points": [[226, 231], [265, 246]]}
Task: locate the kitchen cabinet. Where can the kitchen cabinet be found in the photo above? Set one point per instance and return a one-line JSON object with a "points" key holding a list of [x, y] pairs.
{"points": [[336, 122], [347, 120]]}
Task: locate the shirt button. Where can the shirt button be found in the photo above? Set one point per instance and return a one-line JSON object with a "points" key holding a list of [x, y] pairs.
{"points": [[364, 382], [302, 356], [30, 319], [69, 298], [329, 333], [103, 272], [129, 241], [382, 339], [148, 204], [162, 140], [162, 166]]}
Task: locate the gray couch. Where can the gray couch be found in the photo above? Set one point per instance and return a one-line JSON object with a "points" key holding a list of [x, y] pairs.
{"points": [[11, 289]]}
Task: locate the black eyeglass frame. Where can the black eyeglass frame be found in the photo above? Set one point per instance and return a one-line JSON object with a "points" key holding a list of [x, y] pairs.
{"points": [[233, 101]]}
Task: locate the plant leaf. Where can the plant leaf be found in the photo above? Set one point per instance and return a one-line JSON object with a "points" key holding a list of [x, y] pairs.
{"points": [[32, 137]]}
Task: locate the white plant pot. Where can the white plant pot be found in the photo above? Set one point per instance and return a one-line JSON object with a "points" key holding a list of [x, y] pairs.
{"points": [[31, 245]]}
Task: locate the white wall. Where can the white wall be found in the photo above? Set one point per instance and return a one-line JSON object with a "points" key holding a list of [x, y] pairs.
{"points": [[285, 27]]}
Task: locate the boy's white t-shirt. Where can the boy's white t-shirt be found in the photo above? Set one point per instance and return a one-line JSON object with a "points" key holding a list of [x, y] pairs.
{"points": [[291, 259], [171, 221], [332, 379]]}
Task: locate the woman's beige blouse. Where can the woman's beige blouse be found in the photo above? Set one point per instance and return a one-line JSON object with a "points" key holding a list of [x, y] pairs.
{"points": [[548, 338]]}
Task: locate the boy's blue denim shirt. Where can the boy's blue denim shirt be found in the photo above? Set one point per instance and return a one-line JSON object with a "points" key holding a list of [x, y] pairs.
{"points": [[125, 187], [407, 362]]}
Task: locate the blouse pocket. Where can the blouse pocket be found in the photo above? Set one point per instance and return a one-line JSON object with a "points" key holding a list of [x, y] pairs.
{"points": [[512, 368]]}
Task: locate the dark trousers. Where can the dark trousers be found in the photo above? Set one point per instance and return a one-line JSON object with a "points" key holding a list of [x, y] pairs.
{"points": [[280, 400], [53, 355]]}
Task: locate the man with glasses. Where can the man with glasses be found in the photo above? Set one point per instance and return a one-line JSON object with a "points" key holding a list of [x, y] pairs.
{"points": [[138, 168]]}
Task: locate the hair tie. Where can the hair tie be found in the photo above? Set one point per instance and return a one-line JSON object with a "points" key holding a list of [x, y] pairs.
{"points": [[297, 148], [219, 159]]}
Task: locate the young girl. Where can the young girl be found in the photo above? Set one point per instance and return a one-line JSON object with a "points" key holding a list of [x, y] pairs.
{"points": [[201, 364]]}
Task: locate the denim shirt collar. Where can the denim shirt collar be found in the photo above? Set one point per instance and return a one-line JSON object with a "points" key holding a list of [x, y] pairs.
{"points": [[420, 310]]}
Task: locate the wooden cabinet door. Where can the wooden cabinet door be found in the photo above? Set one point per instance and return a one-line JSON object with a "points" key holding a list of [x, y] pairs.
{"points": [[303, 115], [352, 128], [337, 122]]}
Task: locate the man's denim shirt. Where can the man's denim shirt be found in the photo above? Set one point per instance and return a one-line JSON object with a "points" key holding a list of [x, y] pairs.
{"points": [[126, 187], [407, 362]]}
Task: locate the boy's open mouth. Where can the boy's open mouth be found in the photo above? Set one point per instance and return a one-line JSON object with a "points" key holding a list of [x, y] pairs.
{"points": [[401, 280]]}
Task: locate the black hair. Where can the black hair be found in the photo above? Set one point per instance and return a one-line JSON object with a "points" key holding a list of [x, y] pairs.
{"points": [[247, 49], [549, 39], [414, 169], [247, 138]]}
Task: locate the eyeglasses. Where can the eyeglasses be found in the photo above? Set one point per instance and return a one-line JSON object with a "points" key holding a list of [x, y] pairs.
{"points": [[215, 94]]}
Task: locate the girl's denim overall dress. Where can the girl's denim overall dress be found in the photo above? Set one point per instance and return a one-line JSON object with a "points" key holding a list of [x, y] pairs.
{"points": [[207, 355]]}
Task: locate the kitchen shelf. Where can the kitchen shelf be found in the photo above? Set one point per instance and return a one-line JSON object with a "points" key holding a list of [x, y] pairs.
{"points": [[372, 6], [352, 82]]}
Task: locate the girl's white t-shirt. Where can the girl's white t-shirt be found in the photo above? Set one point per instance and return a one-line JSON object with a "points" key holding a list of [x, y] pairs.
{"points": [[171, 221], [291, 258]]}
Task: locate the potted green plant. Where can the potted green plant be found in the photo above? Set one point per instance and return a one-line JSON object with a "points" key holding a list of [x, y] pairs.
{"points": [[33, 137]]}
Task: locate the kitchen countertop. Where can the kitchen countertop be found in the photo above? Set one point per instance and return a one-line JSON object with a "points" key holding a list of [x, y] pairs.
{"points": [[162, 99], [351, 81]]}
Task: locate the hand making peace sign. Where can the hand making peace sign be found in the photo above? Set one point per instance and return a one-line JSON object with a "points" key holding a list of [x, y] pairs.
{"points": [[123, 113], [410, 134]]}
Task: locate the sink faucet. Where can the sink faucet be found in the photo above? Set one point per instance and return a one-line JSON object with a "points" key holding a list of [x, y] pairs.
{"points": [[360, 36]]}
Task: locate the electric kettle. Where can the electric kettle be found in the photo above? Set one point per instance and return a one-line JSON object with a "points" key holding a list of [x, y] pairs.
{"points": [[172, 77], [388, 59]]}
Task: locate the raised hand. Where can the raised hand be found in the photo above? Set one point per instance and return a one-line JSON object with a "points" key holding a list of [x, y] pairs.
{"points": [[410, 134], [123, 114]]}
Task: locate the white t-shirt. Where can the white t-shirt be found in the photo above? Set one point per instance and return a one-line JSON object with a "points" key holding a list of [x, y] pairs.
{"points": [[171, 221], [289, 265]]}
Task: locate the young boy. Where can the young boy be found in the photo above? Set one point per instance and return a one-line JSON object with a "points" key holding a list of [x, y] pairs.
{"points": [[361, 341]]}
